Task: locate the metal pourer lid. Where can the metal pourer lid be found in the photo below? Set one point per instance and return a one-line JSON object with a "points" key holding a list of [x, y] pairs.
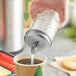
{"points": [[43, 30], [37, 40]]}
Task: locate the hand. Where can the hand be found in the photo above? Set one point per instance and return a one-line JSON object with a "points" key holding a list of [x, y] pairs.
{"points": [[57, 5]]}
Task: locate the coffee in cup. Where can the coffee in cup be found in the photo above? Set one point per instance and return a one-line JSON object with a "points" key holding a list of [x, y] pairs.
{"points": [[25, 68]]}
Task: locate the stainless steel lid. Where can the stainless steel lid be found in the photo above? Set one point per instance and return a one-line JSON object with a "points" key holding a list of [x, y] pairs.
{"points": [[37, 39]]}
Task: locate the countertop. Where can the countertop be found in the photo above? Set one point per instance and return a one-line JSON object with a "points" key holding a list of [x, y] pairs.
{"points": [[62, 46]]}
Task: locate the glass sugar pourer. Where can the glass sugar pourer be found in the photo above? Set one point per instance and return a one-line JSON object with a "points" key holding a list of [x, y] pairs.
{"points": [[44, 27]]}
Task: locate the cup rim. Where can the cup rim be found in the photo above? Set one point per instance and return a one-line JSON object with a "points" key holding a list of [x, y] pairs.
{"points": [[16, 61]]}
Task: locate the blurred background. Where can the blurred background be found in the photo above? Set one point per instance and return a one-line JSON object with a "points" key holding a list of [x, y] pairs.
{"points": [[72, 12], [71, 18], [70, 32]]}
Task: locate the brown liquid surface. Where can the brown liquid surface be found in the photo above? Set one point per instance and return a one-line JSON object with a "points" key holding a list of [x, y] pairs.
{"points": [[28, 61]]}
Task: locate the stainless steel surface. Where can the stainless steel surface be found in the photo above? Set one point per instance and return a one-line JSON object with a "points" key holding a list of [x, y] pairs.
{"points": [[14, 25], [43, 30], [47, 22], [34, 48]]}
